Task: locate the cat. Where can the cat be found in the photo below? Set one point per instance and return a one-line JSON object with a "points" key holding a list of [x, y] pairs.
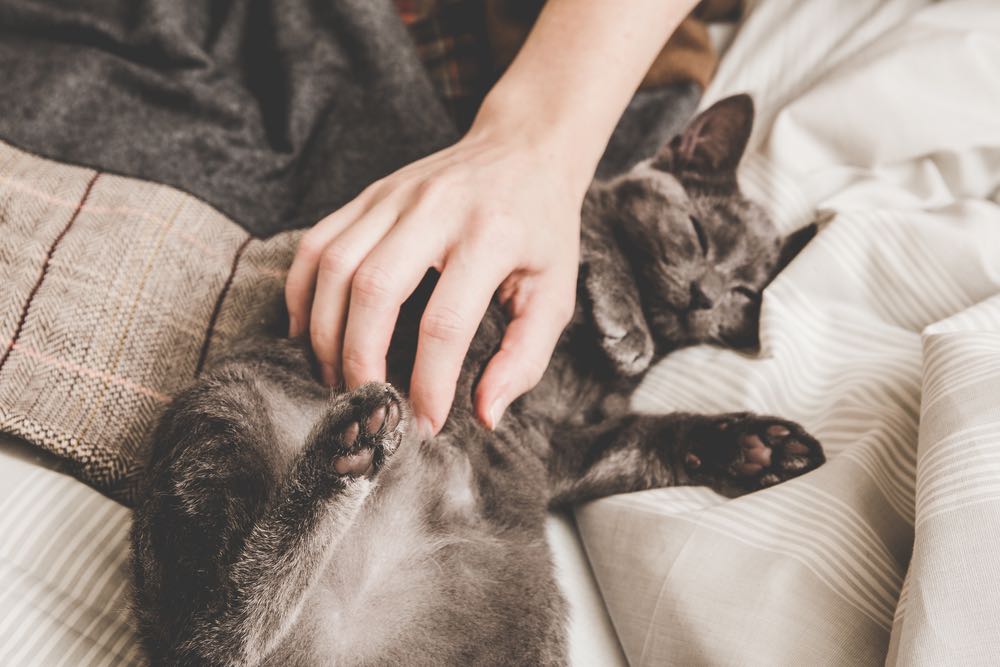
{"points": [[285, 524]]}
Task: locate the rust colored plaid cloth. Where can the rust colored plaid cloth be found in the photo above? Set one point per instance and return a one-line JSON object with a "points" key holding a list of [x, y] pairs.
{"points": [[465, 44], [451, 39], [115, 292]]}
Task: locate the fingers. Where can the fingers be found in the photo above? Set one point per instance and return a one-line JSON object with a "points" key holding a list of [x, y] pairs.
{"points": [[301, 281], [337, 265], [524, 353], [354, 270], [381, 284], [447, 327]]}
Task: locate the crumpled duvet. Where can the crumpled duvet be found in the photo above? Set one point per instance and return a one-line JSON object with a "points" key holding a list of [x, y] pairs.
{"points": [[881, 118]]}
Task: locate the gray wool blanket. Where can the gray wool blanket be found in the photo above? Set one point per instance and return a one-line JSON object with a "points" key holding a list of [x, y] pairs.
{"points": [[275, 113]]}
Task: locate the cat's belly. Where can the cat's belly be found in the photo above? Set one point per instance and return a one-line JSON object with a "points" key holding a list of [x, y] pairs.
{"points": [[399, 583]]}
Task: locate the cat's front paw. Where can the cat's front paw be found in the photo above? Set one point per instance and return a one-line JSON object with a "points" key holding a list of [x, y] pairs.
{"points": [[749, 452], [629, 351], [363, 428]]}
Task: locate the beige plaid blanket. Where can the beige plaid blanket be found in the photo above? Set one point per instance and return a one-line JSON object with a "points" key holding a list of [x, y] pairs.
{"points": [[113, 294]]}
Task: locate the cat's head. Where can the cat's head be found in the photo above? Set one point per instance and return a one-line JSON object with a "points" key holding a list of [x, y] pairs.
{"points": [[700, 252]]}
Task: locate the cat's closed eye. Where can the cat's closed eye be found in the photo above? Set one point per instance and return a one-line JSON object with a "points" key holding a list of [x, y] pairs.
{"points": [[700, 232], [747, 292]]}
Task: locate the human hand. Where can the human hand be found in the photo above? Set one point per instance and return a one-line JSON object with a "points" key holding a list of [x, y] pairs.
{"points": [[500, 208]]}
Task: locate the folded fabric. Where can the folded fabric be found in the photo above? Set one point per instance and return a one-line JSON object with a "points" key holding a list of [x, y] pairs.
{"points": [[115, 292], [275, 113]]}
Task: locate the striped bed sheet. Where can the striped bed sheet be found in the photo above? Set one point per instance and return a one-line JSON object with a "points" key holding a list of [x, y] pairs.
{"points": [[64, 574], [63, 569], [881, 118]]}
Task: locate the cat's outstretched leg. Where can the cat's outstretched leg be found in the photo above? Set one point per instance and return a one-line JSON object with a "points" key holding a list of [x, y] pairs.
{"points": [[285, 548], [733, 453]]}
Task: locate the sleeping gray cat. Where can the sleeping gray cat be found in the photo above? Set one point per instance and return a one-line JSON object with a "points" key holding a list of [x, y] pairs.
{"points": [[285, 524]]}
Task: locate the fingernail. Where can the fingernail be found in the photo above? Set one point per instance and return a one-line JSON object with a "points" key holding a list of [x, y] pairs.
{"points": [[329, 374], [425, 429], [496, 413]]}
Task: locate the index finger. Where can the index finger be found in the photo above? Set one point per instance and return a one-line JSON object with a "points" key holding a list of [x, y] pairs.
{"points": [[301, 281]]}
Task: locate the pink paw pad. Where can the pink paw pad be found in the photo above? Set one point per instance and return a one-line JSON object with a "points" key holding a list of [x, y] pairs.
{"points": [[375, 431]]}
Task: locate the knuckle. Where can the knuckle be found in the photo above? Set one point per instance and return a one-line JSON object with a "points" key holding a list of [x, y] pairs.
{"points": [[381, 189], [336, 260], [436, 422], [371, 283], [560, 302], [293, 293], [492, 229], [310, 245], [297, 295], [433, 187], [486, 219], [374, 188], [443, 324]]}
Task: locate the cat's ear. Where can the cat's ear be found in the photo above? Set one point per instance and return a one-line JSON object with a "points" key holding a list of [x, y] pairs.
{"points": [[616, 311], [714, 142], [792, 244]]}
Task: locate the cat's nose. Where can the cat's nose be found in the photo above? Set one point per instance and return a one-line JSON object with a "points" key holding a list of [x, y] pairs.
{"points": [[699, 300]]}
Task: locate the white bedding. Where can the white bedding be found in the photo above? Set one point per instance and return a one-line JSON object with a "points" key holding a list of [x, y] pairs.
{"points": [[882, 337], [63, 569], [64, 575]]}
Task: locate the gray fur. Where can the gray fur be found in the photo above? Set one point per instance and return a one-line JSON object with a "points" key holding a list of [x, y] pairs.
{"points": [[356, 543]]}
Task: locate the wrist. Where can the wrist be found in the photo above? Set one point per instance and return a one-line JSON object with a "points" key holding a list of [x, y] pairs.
{"points": [[523, 120]]}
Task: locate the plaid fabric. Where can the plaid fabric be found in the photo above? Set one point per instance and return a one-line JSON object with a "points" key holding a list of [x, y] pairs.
{"points": [[451, 39], [465, 44], [116, 292]]}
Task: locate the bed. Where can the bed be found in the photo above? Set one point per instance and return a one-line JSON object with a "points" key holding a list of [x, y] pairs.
{"points": [[879, 119], [64, 570]]}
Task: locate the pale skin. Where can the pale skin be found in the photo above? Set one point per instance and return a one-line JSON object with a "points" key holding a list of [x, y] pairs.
{"points": [[497, 213]]}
